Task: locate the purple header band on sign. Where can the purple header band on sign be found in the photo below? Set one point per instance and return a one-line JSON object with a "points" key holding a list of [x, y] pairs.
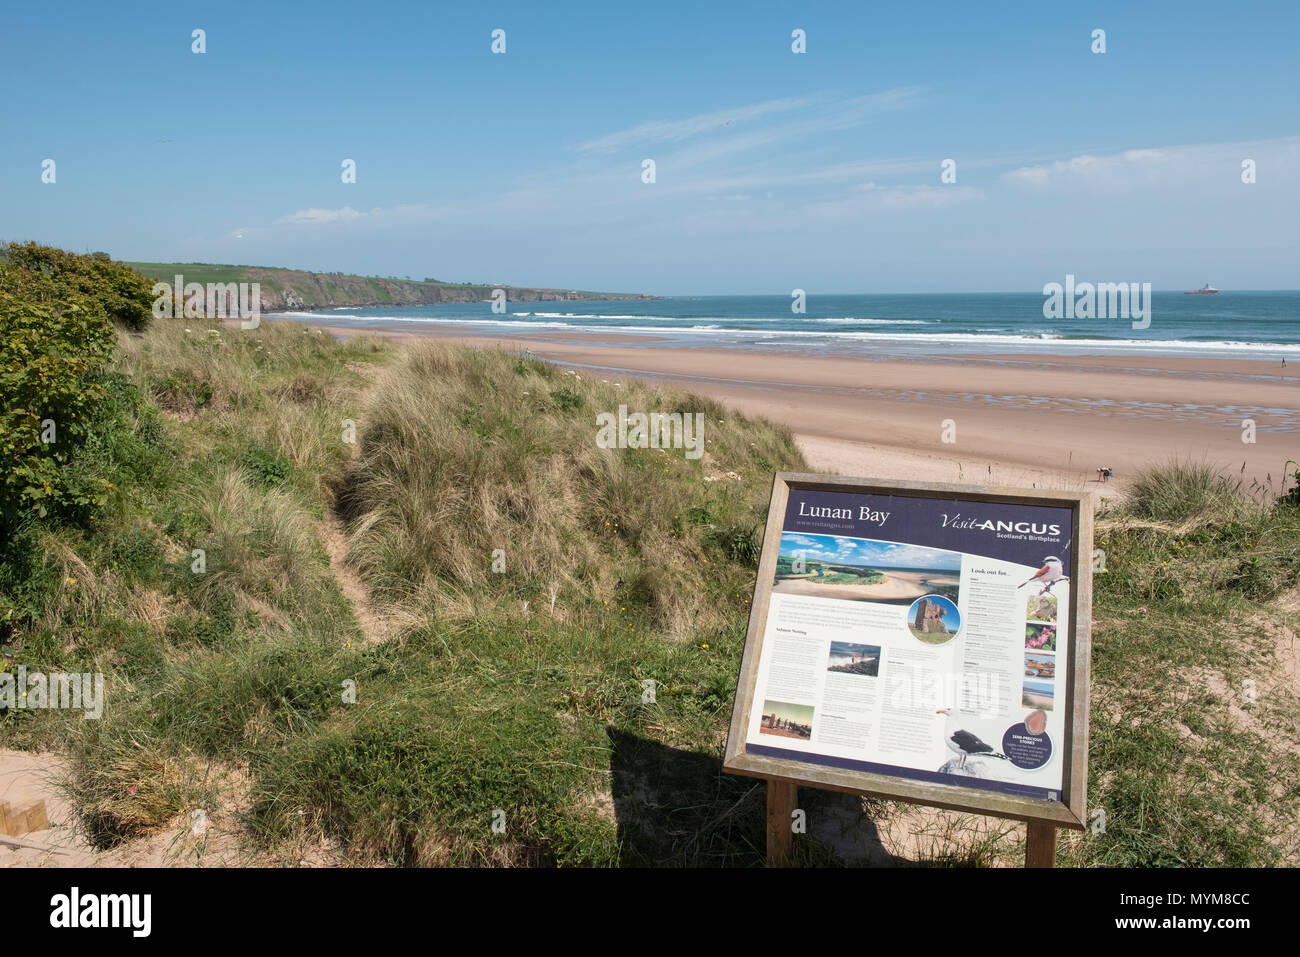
{"points": [[1023, 534]]}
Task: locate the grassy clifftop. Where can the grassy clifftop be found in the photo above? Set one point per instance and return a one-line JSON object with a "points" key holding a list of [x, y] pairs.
{"points": [[287, 289]]}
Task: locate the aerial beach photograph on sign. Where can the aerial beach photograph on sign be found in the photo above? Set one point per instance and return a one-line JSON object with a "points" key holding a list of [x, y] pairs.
{"points": [[863, 570], [595, 436]]}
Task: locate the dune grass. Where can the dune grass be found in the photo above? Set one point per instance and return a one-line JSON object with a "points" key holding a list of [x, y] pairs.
{"points": [[1180, 491], [502, 693], [1194, 730], [469, 454], [570, 707]]}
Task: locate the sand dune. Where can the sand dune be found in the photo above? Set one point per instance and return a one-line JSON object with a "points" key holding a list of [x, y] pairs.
{"points": [[1029, 420]]}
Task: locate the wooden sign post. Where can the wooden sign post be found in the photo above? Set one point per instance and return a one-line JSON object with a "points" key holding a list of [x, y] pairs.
{"points": [[1040, 845], [920, 642], [782, 800]]}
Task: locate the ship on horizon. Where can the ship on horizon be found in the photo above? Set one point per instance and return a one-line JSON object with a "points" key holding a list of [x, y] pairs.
{"points": [[1206, 290]]}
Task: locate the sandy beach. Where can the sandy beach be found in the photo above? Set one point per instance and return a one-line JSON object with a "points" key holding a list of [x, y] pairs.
{"points": [[897, 588], [1028, 420]]}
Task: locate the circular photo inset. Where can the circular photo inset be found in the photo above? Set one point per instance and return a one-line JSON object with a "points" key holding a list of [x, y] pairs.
{"points": [[1026, 748], [933, 619]]}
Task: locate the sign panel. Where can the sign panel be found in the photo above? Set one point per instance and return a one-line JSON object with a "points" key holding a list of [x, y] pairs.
{"points": [[921, 642]]}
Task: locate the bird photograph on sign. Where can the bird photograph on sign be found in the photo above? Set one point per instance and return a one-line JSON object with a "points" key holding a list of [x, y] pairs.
{"points": [[1047, 576], [966, 744]]}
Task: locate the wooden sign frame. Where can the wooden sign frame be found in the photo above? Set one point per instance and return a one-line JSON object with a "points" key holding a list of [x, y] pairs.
{"points": [[784, 775]]}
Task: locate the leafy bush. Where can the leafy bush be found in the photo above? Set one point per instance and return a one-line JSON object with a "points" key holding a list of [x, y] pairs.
{"points": [[48, 275], [181, 391], [27, 582], [51, 360], [57, 311], [267, 467], [566, 399], [126, 445]]}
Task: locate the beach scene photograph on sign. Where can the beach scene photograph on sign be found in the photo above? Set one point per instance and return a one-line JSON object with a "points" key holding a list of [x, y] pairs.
{"points": [[830, 566], [443, 436], [855, 659]]}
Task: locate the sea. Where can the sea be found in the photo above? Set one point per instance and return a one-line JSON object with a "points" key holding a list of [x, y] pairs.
{"points": [[1236, 325]]}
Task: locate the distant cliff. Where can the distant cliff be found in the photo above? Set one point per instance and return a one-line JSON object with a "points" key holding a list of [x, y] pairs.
{"points": [[293, 289]]}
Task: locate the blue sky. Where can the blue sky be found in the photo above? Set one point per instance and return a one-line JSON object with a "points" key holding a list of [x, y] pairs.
{"points": [[852, 648], [774, 170], [862, 551]]}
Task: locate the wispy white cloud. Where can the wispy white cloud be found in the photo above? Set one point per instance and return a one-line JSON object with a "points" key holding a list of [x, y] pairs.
{"points": [[866, 199], [809, 125], [723, 182], [748, 128], [660, 131], [1168, 166], [317, 216], [733, 156]]}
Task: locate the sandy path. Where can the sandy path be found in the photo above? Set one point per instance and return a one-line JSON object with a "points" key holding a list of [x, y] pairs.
{"points": [[374, 626]]}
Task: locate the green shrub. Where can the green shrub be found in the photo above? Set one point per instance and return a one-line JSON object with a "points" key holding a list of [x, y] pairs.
{"points": [[57, 311], [51, 361], [28, 581], [268, 468], [566, 399], [180, 391], [45, 274]]}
